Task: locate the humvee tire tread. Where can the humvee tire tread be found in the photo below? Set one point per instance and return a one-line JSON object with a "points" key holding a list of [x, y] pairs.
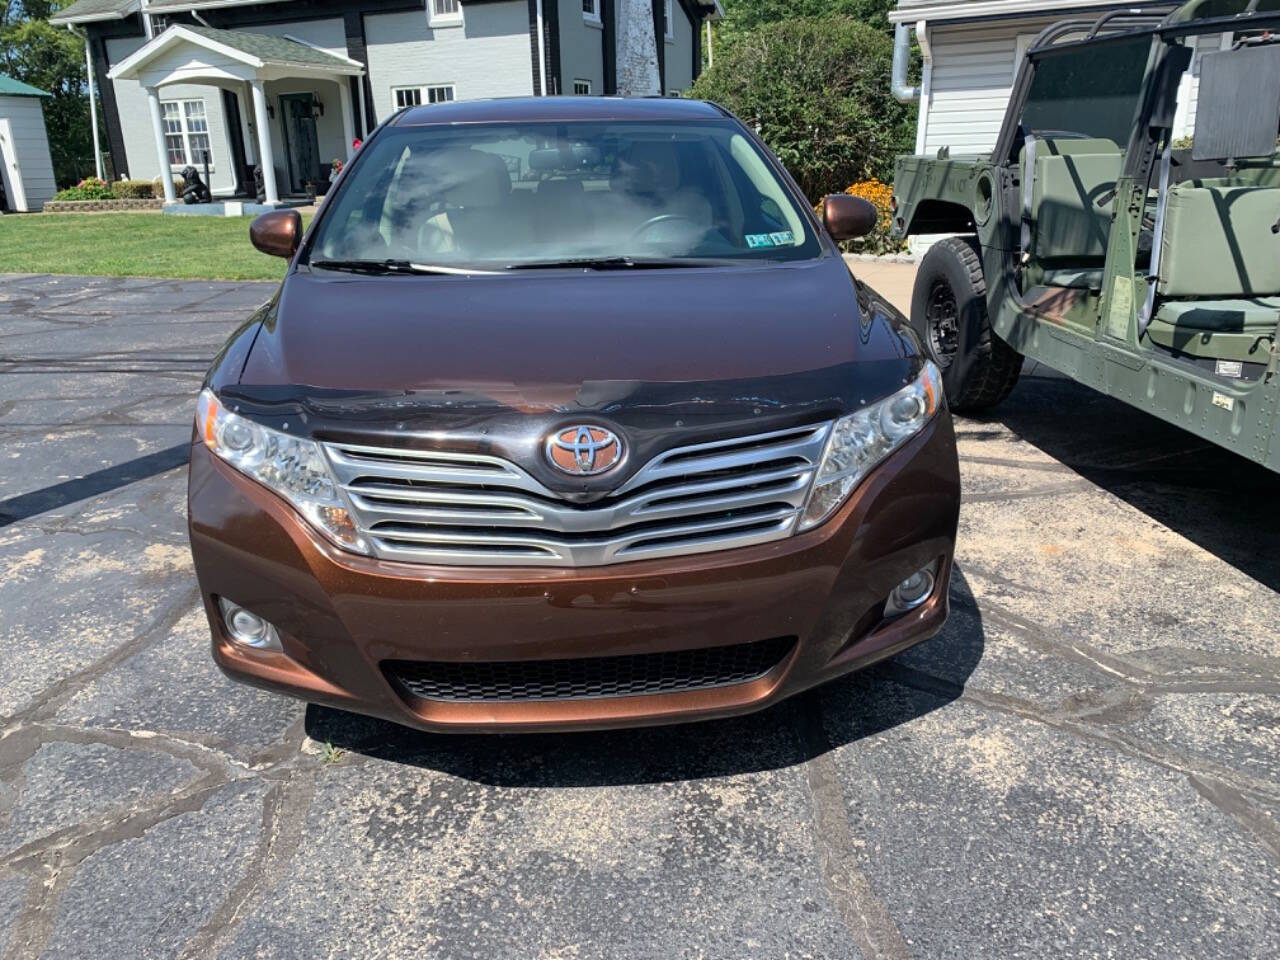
{"points": [[995, 365]]}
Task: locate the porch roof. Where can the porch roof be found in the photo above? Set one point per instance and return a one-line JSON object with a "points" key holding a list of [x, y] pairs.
{"points": [[213, 52], [87, 11]]}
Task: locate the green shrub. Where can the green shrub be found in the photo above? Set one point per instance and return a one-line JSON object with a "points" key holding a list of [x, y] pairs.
{"points": [[133, 189], [817, 90], [743, 16], [90, 188]]}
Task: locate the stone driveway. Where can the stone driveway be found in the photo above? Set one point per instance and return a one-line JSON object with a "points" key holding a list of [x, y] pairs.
{"points": [[1084, 763]]}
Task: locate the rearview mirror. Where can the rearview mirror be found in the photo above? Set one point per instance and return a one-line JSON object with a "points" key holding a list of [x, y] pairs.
{"points": [[846, 216], [277, 233]]}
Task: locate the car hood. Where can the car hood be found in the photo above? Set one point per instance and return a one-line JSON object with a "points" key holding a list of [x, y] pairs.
{"points": [[536, 338], [670, 356]]}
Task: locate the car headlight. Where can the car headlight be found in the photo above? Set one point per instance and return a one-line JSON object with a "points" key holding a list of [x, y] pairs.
{"points": [[861, 440], [290, 466]]}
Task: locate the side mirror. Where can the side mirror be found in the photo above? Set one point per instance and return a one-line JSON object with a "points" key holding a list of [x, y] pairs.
{"points": [[277, 233], [846, 216]]}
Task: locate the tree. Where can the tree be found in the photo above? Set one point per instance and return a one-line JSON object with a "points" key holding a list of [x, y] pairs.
{"points": [[742, 16], [817, 90], [35, 52]]}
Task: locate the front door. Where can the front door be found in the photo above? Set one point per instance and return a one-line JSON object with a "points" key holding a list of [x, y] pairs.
{"points": [[301, 146]]}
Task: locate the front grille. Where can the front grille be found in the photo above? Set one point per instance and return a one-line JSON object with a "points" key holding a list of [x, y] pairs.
{"points": [[439, 506], [589, 678]]}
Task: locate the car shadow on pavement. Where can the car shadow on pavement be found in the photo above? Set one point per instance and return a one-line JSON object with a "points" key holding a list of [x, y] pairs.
{"points": [[1213, 497], [883, 696]]}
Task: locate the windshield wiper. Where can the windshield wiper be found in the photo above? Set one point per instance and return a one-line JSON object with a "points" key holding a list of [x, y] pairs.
{"points": [[394, 266], [365, 266], [621, 263]]}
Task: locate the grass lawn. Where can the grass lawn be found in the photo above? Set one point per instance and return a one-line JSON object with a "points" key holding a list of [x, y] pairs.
{"points": [[134, 245]]}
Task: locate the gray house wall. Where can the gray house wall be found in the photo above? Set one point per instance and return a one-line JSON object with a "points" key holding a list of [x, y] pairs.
{"points": [[31, 147], [581, 48], [678, 61], [488, 55]]}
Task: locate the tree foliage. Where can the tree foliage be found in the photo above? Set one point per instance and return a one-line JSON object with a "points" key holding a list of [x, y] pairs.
{"points": [[817, 90], [51, 58], [743, 16]]}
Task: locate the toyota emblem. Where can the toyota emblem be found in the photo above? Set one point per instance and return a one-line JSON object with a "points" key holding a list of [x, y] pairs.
{"points": [[584, 450]]}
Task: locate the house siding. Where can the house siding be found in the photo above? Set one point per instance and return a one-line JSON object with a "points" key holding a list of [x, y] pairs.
{"points": [[970, 83], [31, 148], [135, 122], [581, 48], [488, 56]]}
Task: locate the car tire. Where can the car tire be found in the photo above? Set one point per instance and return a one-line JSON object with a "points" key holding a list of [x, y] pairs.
{"points": [[949, 312]]}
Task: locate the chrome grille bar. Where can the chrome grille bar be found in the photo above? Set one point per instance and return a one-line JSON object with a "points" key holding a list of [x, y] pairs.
{"points": [[444, 507]]}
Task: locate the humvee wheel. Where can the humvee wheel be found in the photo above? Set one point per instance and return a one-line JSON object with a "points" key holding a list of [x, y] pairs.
{"points": [[949, 312]]}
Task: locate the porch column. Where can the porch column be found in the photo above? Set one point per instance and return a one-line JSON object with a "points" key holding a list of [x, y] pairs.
{"points": [[266, 159], [348, 116], [162, 152]]}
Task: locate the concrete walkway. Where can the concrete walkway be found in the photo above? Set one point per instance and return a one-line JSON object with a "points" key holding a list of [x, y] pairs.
{"points": [[891, 280]]}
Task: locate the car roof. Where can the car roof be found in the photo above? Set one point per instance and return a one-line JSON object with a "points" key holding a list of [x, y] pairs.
{"points": [[533, 109]]}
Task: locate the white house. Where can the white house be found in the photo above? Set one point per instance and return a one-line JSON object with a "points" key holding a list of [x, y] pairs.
{"points": [[287, 85], [26, 171], [971, 50]]}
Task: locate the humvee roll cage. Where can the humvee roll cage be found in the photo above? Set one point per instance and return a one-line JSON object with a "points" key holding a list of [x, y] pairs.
{"points": [[1119, 25]]}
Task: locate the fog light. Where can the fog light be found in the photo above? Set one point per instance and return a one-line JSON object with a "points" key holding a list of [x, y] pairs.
{"points": [[910, 593], [248, 628]]}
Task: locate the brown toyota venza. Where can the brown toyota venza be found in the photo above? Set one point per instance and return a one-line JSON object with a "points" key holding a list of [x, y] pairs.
{"points": [[568, 414]]}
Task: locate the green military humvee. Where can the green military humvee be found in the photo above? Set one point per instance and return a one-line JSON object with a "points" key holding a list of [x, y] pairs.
{"points": [[1092, 241]]}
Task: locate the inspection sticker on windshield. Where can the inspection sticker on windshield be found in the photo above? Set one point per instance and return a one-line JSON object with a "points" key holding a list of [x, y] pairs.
{"points": [[784, 238]]}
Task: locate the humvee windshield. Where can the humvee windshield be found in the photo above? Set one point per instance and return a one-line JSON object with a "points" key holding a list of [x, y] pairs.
{"points": [[1089, 92]]}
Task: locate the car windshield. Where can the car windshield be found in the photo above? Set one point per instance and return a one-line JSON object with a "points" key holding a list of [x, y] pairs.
{"points": [[519, 195]]}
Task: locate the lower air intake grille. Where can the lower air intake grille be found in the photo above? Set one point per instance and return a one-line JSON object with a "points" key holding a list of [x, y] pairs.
{"points": [[589, 677]]}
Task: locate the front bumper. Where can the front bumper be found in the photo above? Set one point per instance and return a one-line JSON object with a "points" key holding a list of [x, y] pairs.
{"points": [[341, 616]]}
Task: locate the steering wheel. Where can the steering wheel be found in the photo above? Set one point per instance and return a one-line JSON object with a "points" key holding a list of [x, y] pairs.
{"points": [[659, 219]]}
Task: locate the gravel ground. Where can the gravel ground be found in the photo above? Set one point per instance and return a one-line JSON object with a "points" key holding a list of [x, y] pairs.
{"points": [[1084, 763]]}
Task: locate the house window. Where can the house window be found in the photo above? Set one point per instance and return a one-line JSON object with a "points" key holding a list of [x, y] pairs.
{"points": [[445, 12], [591, 11], [668, 24], [186, 132], [407, 96], [416, 96], [582, 88]]}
